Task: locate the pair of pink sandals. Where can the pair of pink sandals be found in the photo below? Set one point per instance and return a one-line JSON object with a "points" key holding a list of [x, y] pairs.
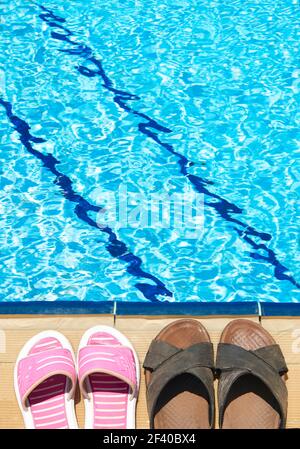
{"points": [[107, 369]]}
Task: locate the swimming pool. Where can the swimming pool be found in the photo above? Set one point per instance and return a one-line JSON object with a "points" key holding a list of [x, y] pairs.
{"points": [[158, 97]]}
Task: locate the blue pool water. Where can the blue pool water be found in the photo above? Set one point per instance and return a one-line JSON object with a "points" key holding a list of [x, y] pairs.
{"points": [[158, 97]]}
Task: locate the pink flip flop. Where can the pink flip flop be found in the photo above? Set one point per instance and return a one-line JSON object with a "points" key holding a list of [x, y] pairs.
{"points": [[45, 381], [108, 373]]}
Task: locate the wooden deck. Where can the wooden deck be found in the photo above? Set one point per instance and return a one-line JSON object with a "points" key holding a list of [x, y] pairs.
{"points": [[15, 330]]}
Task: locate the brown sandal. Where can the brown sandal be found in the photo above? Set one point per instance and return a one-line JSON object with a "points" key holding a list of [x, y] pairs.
{"points": [[179, 377], [251, 393]]}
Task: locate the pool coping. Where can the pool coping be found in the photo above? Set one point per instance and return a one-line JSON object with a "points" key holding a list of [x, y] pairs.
{"points": [[139, 308]]}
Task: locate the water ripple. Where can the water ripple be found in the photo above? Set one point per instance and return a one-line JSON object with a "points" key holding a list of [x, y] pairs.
{"points": [[115, 247], [150, 128]]}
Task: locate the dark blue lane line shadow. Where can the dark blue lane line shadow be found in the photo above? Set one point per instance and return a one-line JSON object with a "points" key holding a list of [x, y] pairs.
{"points": [[149, 127], [115, 247]]}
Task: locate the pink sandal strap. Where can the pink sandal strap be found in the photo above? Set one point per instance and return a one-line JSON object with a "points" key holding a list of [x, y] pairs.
{"points": [[118, 361], [36, 368]]}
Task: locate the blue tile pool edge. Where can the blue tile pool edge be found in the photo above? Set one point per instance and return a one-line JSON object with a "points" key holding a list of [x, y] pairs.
{"points": [[144, 308], [188, 308], [57, 308], [274, 309], [127, 308]]}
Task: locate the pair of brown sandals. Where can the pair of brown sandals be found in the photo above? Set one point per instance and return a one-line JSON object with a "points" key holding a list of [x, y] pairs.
{"points": [[180, 373]]}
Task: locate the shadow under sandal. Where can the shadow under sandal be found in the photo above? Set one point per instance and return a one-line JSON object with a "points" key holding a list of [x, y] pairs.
{"points": [[252, 393], [179, 377]]}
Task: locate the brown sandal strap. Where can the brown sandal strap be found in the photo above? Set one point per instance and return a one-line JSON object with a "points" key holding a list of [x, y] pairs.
{"points": [[265, 363], [167, 362], [160, 352]]}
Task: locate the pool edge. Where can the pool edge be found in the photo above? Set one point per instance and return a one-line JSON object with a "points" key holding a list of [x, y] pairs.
{"points": [[144, 308]]}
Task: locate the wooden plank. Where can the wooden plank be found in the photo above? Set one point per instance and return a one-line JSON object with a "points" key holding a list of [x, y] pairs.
{"points": [[16, 330]]}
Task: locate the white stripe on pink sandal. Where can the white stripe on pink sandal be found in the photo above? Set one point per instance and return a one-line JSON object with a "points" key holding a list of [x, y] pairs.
{"points": [[45, 380], [108, 372]]}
